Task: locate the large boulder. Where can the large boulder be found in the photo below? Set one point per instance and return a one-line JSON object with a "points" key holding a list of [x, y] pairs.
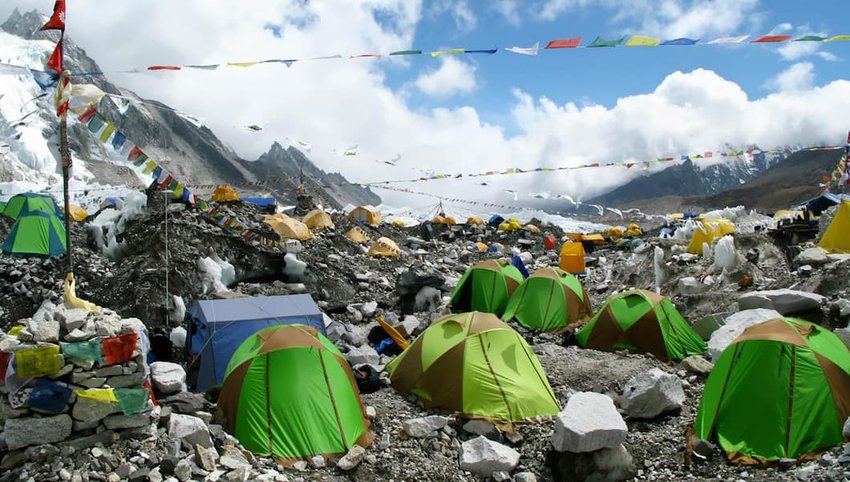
{"points": [[813, 256], [168, 377], [189, 429], [589, 422], [784, 301], [603, 465], [483, 456], [363, 355], [44, 330], [648, 394], [22, 432], [88, 410], [735, 325]]}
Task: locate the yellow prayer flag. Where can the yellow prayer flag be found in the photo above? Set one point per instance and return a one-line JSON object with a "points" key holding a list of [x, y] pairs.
{"points": [[242, 64], [110, 128], [838, 37], [38, 362], [446, 52], [100, 394], [642, 41], [178, 191], [149, 167]]}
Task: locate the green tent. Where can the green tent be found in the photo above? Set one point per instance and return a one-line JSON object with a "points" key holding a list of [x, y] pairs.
{"points": [[549, 300], [780, 390], [475, 365], [288, 392], [2, 206], [36, 234], [641, 321], [486, 287], [29, 202]]}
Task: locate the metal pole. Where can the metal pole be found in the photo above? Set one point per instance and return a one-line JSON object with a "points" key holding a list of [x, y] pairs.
{"points": [[165, 194], [65, 153]]}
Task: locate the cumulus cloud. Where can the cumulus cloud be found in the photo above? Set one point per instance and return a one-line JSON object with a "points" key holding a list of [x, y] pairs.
{"points": [[460, 10], [509, 10], [797, 50], [796, 78], [669, 18], [451, 77]]}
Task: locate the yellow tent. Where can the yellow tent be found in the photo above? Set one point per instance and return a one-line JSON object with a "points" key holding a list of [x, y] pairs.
{"points": [[512, 224], [291, 228], [708, 232], [474, 220], [224, 192], [574, 237], [481, 246], [269, 218], [318, 219], [531, 228], [613, 233], [572, 258], [595, 238], [357, 235], [366, 215], [836, 239], [384, 247], [77, 213], [633, 230], [443, 220], [398, 223]]}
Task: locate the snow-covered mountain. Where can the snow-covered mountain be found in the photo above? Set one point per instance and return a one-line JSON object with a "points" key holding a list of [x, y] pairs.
{"points": [[29, 157]]}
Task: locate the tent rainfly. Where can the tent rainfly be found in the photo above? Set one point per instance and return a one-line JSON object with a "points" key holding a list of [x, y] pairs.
{"points": [[487, 287]]}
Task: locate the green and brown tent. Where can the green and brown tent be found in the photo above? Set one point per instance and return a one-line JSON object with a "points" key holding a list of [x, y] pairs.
{"points": [[36, 234], [486, 287], [288, 392], [549, 300], [27, 203], [643, 322], [779, 390], [475, 365]]}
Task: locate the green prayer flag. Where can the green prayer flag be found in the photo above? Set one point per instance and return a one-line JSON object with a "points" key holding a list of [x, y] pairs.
{"points": [[810, 38], [140, 160], [84, 350], [96, 123], [601, 42], [132, 400], [407, 52]]}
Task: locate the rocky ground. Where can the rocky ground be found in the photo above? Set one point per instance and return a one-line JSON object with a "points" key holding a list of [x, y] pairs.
{"points": [[353, 288]]}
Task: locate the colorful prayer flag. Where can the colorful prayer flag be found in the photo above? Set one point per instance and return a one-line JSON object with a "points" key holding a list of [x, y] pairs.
{"points": [[110, 128], [132, 400], [99, 394], [118, 140], [564, 43], [810, 38], [525, 50], [642, 41], [771, 39], [149, 167], [242, 64], [86, 116], [84, 350], [362, 56], [47, 396], [601, 42], [164, 67], [730, 40], [407, 52], [202, 67], [446, 52], [55, 61], [679, 41], [57, 20], [119, 348], [96, 123], [838, 37], [481, 51], [37, 362]]}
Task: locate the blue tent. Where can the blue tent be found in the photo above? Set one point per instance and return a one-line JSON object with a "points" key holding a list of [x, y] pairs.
{"points": [[495, 220], [218, 327], [263, 202]]}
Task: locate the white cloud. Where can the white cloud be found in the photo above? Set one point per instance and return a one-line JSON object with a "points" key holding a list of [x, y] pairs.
{"points": [[798, 77], [798, 50], [508, 9], [460, 10], [452, 77], [669, 18]]}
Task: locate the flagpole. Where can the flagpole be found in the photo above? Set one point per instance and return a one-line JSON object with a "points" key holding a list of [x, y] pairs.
{"points": [[65, 153]]}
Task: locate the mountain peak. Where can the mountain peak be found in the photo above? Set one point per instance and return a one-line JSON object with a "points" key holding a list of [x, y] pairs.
{"points": [[27, 25]]}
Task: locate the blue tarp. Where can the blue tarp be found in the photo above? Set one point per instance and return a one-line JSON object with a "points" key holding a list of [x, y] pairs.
{"points": [[821, 203], [218, 327], [495, 220], [263, 202]]}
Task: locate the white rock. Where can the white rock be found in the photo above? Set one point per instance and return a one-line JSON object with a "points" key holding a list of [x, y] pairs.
{"points": [[46, 330], [697, 364], [87, 410], [363, 354], [178, 337], [293, 267], [648, 394], [483, 456], [408, 325], [480, 427], [168, 377], [369, 308], [422, 426], [525, 477], [427, 299], [608, 464], [21, 432], [70, 318], [784, 301], [735, 325], [352, 459], [847, 428], [589, 422], [190, 429], [689, 285], [121, 421], [814, 256], [371, 413]]}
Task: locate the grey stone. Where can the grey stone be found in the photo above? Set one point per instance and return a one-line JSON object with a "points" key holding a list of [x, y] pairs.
{"points": [[44, 330], [121, 421], [109, 371], [351, 459], [183, 470], [93, 382], [408, 326], [89, 410], [232, 458], [21, 432], [651, 393], [480, 427], [238, 475], [78, 444], [369, 308], [483, 456], [168, 377], [697, 364], [813, 256], [191, 430], [589, 422], [689, 286], [784, 301], [607, 464], [363, 354], [525, 477], [735, 325], [123, 381], [423, 426], [70, 318], [205, 457], [78, 335], [846, 429]]}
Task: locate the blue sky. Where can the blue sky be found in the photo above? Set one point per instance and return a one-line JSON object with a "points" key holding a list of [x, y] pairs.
{"points": [[472, 113]]}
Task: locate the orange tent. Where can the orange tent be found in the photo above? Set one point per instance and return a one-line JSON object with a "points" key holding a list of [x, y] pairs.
{"points": [[224, 192], [572, 258]]}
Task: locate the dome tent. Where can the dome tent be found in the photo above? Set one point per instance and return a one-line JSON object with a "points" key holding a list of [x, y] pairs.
{"points": [[311, 406], [641, 321], [549, 300], [224, 192], [36, 234], [779, 390], [475, 365], [366, 215], [26, 203], [486, 287], [318, 219], [291, 228]]}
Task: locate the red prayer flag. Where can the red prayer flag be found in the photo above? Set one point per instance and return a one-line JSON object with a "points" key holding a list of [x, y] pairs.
{"points": [[771, 39], [55, 61], [119, 348], [564, 43], [166, 182], [708, 154], [164, 67], [57, 20], [147, 385], [4, 364], [134, 153], [86, 116]]}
